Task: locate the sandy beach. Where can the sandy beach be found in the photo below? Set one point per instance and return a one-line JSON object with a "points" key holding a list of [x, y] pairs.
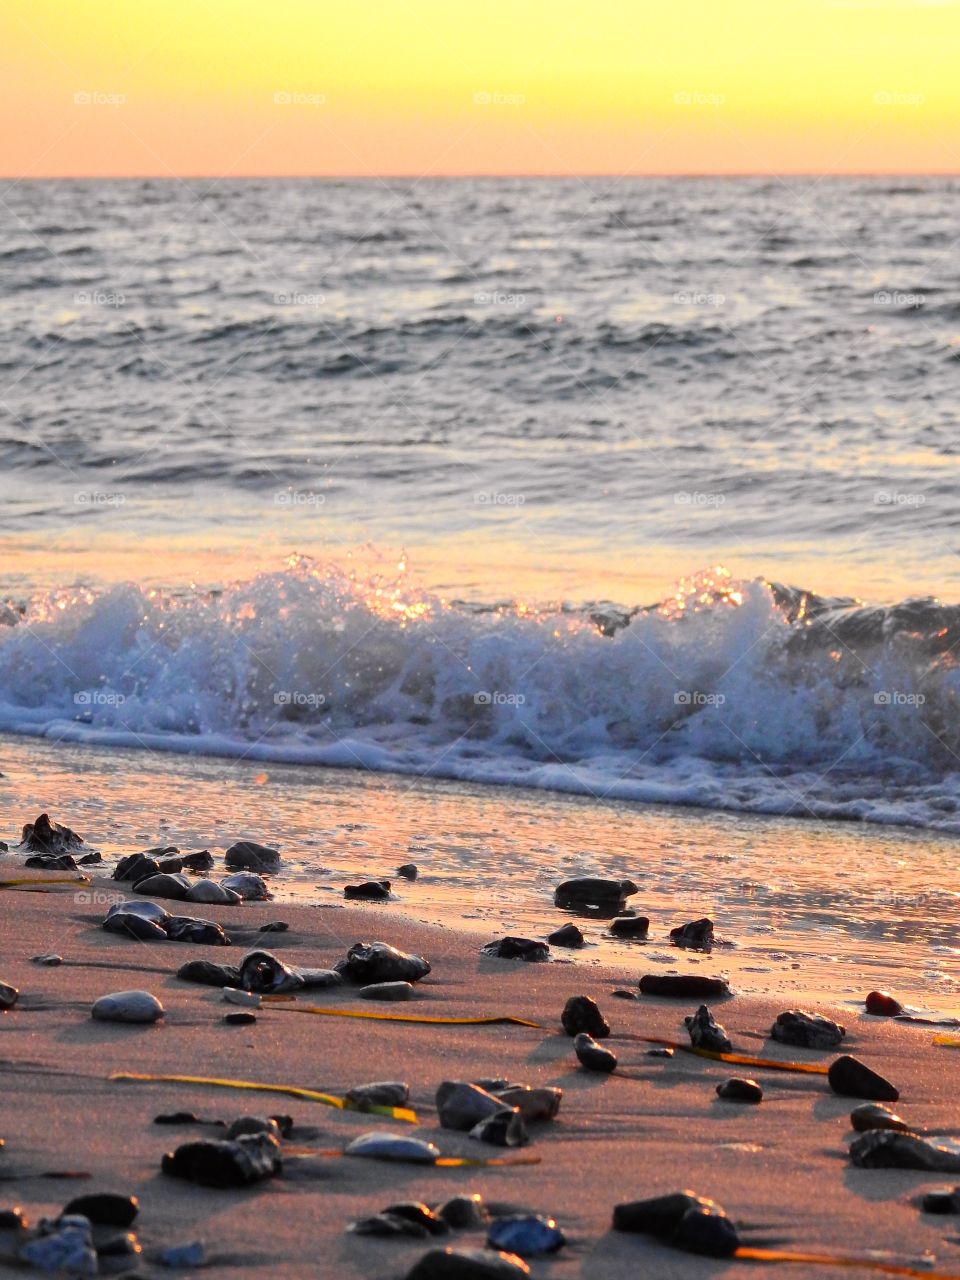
{"points": [[654, 1126]]}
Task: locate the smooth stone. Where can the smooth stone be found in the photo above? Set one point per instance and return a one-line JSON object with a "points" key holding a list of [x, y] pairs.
{"points": [[580, 1013], [538, 1102], [145, 910], [90, 860], [8, 996], [44, 836], [247, 854], [13, 1219], [51, 959], [217, 1163], [200, 861], [807, 1030], [105, 1208], [659, 1216], [416, 1212], [388, 1225], [380, 1145], [182, 1255], [503, 1129], [941, 1200], [408, 871], [51, 862], [171, 865], [695, 935], [461, 1105], [209, 974], [191, 929], [368, 891], [163, 885], [131, 925], [587, 890], [127, 1006], [379, 1093], [706, 1033], [853, 1079], [706, 1229], [274, 926], [245, 1125], [239, 1019], [369, 962], [118, 1245], [883, 1149], [526, 1234], [248, 999], [517, 949], [683, 986], [159, 851], [740, 1089], [621, 994], [464, 1212], [136, 866], [63, 1246], [468, 1264], [251, 887], [630, 926], [593, 1056], [261, 971], [568, 935], [873, 1115], [662, 1051], [210, 892], [882, 1005], [387, 991]]}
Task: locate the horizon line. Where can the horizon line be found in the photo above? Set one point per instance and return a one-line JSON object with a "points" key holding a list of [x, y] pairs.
{"points": [[469, 177]]}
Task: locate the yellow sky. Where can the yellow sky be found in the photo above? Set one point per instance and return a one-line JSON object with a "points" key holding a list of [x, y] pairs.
{"points": [[234, 87]]}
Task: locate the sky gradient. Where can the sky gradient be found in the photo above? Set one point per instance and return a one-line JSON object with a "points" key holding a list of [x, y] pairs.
{"points": [[377, 87]]}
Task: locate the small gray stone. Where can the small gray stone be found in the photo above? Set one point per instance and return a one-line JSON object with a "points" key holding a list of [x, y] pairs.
{"points": [[127, 1006], [387, 991]]}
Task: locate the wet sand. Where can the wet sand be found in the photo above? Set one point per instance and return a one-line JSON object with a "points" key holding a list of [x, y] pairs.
{"points": [[654, 1128]]}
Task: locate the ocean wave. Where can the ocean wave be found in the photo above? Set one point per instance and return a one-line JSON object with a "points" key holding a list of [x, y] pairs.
{"points": [[747, 696]]}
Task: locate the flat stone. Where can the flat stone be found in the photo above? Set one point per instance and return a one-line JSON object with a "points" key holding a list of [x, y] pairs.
{"points": [[127, 1006], [807, 1030], [387, 991], [105, 1209], [683, 986], [517, 949], [163, 885], [630, 926], [593, 1056], [249, 854]]}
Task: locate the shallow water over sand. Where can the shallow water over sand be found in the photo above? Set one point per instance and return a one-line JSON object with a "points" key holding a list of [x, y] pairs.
{"points": [[812, 910]]}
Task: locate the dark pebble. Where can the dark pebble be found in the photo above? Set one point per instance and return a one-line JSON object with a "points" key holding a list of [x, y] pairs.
{"points": [[202, 861], [807, 1030], [568, 935], [415, 1211], [852, 1079], [593, 1056], [706, 1033], [517, 949], [659, 1216], [239, 1019], [593, 891], [12, 1219], [739, 1089], [630, 926], [408, 871], [248, 855], [124, 1245], [871, 1115], [274, 926], [662, 1051], [136, 866], [105, 1209], [696, 935], [464, 1212], [8, 996], [580, 1013], [368, 891], [212, 1163], [51, 862], [209, 974], [882, 1005], [468, 1264], [621, 994], [683, 986], [183, 1117], [89, 859], [941, 1200], [706, 1230]]}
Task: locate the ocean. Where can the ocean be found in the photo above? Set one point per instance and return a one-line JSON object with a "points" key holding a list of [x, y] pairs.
{"points": [[642, 490]]}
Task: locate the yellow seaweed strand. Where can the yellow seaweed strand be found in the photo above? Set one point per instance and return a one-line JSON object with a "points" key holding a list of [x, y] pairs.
{"points": [[741, 1059], [410, 1017], [948, 1042], [292, 1091], [478, 1162], [42, 880], [840, 1260]]}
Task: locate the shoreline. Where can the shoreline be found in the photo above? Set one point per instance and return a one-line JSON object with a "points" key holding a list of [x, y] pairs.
{"points": [[657, 1127]]}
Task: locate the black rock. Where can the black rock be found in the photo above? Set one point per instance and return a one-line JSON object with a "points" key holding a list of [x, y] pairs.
{"points": [[853, 1079], [379, 1093], [683, 986], [415, 1211], [884, 1149], [8, 996], [170, 866], [659, 1216], [262, 971], [408, 871], [468, 1264], [568, 935], [201, 861], [51, 862], [90, 859], [44, 836], [872, 1115], [239, 1019], [580, 1013], [587, 891], [593, 1056], [105, 1209], [136, 866], [163, 885], [622, 994], [369, 962], [707, 1230], [274, 926], [160, 851], [807, 1030], [461, 1105], [464, 1212], [12, 1219], [386, 1225], [132, 925], [941, 1200], [739, 1089], [189, 929], [517, 949], [184, 1117], [213, 1163], [209, 974], [697, 935], [369, 891], [505, 1128], [122, 1244], [249, 854], [706, 1032], [630, 926]]}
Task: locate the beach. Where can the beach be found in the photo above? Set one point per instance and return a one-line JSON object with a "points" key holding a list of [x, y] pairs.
{"points": [[654, 1126]]}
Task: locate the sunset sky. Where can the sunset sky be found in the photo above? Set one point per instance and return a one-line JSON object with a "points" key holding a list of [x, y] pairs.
{"points": [[237, 87]]}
